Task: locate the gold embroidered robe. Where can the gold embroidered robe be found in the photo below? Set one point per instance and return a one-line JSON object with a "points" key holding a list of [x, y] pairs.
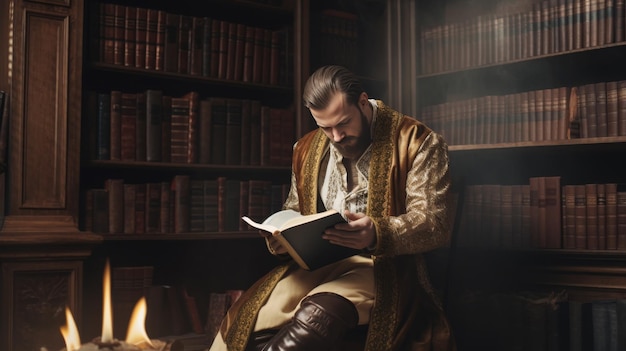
{"points": [[407, 200]]}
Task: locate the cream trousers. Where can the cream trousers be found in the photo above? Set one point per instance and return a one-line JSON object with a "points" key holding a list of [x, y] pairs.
{"points": [[352, 278]]}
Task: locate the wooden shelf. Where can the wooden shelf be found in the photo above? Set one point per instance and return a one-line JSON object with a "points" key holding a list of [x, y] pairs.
{"points": [[182, 236], [182, 166], [567, 145]]}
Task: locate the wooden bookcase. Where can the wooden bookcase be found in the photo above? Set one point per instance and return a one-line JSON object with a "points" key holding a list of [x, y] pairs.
{"points": [[480, 67], [210, 252]]}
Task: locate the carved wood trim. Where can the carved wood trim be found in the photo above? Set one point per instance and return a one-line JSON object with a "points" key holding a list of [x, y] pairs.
{"points": [[34, 298]]}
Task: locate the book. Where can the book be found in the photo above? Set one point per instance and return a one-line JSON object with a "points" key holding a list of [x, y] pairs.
{"points": [[301, 235]]}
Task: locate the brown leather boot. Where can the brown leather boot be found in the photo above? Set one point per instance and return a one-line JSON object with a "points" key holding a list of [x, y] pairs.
{"points": [[319, 324]]}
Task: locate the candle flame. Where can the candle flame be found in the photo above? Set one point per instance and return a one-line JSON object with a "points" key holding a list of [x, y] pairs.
{"points": [[136, 334], [107, 319], [70, 332]]}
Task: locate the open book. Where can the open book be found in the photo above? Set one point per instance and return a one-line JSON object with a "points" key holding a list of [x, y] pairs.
{"points": [[301, 235]]}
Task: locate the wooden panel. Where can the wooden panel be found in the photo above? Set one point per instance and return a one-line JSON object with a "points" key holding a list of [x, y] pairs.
{"points": [[44, 124], [45, 116], [34, 298]]}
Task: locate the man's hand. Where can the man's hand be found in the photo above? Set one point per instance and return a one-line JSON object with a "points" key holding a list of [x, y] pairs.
{"points": [[359, 233], [273, 245]]}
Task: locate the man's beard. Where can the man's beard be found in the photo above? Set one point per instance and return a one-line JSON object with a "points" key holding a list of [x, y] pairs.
{"points": [[354, 146]]}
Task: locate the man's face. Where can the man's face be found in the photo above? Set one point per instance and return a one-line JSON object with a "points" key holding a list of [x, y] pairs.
{"points": [[345, 125]]}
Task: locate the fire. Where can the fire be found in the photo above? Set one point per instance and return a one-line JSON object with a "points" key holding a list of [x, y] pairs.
{"points": [[70, 332], [136, 337]]}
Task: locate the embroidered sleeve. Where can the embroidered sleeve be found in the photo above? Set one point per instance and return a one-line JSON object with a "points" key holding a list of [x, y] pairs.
{"points": [[425, 225]]}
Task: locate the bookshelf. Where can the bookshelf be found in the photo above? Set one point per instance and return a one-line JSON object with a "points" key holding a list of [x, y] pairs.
{"points": [[225, 74], [494, 78]]}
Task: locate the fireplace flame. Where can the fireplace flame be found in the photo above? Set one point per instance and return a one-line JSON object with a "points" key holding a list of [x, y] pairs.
{"points": [[136, 334]]}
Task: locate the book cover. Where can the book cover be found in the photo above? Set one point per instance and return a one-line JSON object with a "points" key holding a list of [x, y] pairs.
{"points": [[302, 236]]}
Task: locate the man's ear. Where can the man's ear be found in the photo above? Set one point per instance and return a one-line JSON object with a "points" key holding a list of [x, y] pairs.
{"points": [[363, 99]]}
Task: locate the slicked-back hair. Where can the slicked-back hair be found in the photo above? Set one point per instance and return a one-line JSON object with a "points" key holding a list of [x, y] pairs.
{"points": [[328, 80]]}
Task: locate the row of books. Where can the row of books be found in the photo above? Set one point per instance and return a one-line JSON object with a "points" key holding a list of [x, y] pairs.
{"points": [[585, 111], [602, 109], [173, 314], [544, 214], [157, 40], [539, 321], [527, 116], [151, 126], [181, 205], [336, 39], [547, 27]]}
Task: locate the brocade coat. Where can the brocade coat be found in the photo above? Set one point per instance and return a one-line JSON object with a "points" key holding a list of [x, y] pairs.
{"points": [[408, 199]]}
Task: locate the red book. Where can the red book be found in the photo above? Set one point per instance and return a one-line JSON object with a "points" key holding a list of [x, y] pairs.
{"points": [[196, 206], [581, 216], [569, 235], [612, 128], [165, 225], [129, 208], [107, 33], [192, 132], [153, 207], [591, 197], [154, 120], [118, 34], [130, 36], [231, 59], [141, 193], [184, 43], [115, 188], [553, 212], [240, 46], [141, 127], [179, 130], [152, 26], [222, 57], [248, 54], [160, 40], [172, 25], [181, 187], [141, 30], [216, 27], [197, 42], [611, 215], [128, 126]]}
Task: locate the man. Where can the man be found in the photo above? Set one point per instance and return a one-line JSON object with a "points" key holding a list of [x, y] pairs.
{"points": [[388, 173]]}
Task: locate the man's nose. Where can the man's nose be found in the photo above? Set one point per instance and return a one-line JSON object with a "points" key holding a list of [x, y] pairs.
{"points": [[337, 135]]}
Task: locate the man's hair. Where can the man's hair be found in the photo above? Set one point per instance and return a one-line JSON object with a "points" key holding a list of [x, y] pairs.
{"points": [[326, 81]]}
